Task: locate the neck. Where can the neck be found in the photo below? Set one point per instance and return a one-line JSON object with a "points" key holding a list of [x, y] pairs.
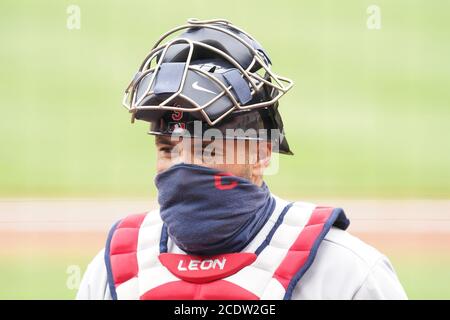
{"points": [[258, 180]]}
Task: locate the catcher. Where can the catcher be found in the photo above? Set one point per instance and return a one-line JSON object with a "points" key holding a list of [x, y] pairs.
{"points": [[211, 99]]}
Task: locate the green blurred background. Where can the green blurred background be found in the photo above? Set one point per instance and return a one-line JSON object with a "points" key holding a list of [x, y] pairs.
{"points": [[368, 115]]}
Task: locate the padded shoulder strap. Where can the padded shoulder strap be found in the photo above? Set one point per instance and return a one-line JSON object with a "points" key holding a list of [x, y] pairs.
{"points": [[302, 252], [120, 251]]}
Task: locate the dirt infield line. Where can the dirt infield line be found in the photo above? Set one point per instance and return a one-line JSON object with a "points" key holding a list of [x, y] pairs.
{"points": [[97, 215], [32, 243]]}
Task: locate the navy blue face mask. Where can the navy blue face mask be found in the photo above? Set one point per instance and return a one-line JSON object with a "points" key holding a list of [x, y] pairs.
{"points": [[209, 212]]}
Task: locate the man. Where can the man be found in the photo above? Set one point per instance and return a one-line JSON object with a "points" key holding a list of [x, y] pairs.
{"points": [[212, 102]]}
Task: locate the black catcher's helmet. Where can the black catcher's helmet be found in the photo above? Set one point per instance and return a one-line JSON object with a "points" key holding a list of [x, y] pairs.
{"points": [[212, 75]]}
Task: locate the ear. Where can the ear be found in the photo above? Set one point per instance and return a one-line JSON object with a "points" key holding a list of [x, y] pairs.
{"points": [[263, 158]]}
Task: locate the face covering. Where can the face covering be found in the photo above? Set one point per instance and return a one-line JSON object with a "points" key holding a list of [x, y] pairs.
{"points": [[209, 212]]}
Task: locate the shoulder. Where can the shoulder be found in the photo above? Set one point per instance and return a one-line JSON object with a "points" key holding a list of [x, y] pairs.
{"points": [[379, 279], [341, 242], [94, 285], [346, 267]]}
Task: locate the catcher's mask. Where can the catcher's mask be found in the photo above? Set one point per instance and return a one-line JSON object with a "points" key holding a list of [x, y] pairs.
{"points": [[213, 75]]}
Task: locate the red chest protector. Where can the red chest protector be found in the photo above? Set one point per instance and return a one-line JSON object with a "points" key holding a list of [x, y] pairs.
{"points": [[270, 267]]}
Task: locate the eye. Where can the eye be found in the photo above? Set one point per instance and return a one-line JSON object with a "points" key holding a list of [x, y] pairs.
{"points": [[212, 152], [165, 149]]}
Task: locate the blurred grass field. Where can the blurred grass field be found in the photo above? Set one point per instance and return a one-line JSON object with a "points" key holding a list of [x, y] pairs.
{"points": [[368, 115]]}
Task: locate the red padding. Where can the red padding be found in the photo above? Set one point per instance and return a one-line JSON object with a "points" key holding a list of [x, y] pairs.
{"points": [[206, 269], [123, 248], [182, 290], [300, 250]]}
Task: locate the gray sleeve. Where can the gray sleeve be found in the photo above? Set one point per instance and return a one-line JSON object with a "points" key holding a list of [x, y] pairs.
{"points": [[94, 285], [381, 283], [346, 268]]}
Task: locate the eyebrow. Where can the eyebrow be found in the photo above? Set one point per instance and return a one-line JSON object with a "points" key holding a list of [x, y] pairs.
{"points": [[164, 140]]}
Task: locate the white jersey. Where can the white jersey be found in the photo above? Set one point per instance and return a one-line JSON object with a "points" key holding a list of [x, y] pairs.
{"points": [[344, 268]]}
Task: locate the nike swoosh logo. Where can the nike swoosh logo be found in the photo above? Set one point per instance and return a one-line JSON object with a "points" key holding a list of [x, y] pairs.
{"points": [[196, 86]]}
